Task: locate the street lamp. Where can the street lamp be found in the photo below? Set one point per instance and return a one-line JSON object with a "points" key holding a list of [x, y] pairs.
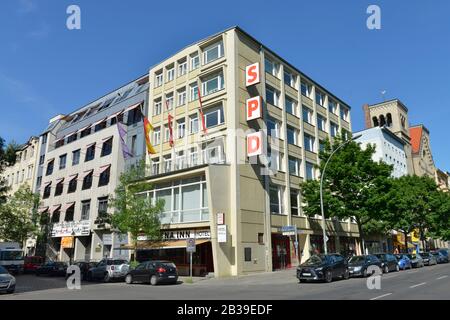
{"points": [[321, 188]]}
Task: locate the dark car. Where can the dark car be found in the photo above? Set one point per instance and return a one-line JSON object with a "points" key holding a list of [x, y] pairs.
{"points": [[359, 265], [445, 253], [31, 263], [388, 262], [416, 260], [440, 257], [84, 268], [52, 269], [153, 272], [7, 281], [428, 258], [323, 267]]}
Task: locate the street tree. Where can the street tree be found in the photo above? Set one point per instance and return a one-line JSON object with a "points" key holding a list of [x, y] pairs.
{"points": [[134, 212], [19, 218], [439, 222], [354, 186]]}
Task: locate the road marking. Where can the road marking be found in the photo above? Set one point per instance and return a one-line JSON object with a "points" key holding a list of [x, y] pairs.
{"points": [[443, 277], [416, 285], [382, 296]]}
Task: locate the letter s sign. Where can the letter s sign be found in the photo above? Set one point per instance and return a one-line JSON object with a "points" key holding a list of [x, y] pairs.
{"points": [[252, 74]]}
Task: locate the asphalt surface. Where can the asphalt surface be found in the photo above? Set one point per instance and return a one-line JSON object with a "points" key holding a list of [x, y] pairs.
{"points": [[429, 283]]}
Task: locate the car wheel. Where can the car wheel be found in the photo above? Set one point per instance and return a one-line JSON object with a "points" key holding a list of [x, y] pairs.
{"points": [[106, 278], [129, 279], [302, 280], [386, 269], [346, 275], [365, 273], [10, 291], [153, 280]]}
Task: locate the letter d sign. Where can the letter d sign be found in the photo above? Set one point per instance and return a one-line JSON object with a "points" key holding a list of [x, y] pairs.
{"points": [[255, 144], [252, 74]]}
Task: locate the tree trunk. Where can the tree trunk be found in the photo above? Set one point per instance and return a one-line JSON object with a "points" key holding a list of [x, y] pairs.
{"points": [[406, 241], [361, 236]]}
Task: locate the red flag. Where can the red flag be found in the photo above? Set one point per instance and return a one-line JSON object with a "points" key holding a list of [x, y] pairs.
{"points": [[201, 110], [169, 119]]}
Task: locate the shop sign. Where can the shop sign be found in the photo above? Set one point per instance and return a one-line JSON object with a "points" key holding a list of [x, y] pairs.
{"points": [[67, 242], [71, 228], [252, 75], [255, 144], [253, 108], [222, 233], [220, 218], [288, 230], [186, 234]]}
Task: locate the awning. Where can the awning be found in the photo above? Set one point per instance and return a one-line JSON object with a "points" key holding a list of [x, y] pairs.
{"points": [[54, 208], [115, 114], [106, 139], [47, 184], [50, 160], [132, 107], [73, 176], [86, 173], [90, 145], [67, 206], [59, 180], [104, 168], [42, 209], [84, 128], [153, 245], [99, 121]]}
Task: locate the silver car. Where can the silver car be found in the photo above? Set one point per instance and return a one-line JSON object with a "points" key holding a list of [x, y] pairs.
{"points": [[7, 281], [428, 258]]}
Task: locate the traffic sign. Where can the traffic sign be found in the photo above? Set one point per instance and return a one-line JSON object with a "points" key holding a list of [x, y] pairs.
{"points": [[190, 245]]}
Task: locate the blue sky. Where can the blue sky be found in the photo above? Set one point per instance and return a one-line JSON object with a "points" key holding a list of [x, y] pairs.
{"points": [[45, 69]]}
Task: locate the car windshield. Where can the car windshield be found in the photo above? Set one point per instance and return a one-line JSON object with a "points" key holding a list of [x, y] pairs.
{"points": [[3, 270], [314, 260], [168, 264], [11, 255], [116, 262], [411, 256], [425, 254], [357, 259]]}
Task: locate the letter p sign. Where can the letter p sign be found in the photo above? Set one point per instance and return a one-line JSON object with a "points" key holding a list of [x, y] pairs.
{"points": [[255, 144], [254, 108], [252, 74]]}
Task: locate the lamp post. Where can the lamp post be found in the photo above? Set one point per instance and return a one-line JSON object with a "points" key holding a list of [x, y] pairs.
{"points": [[321, 189]]}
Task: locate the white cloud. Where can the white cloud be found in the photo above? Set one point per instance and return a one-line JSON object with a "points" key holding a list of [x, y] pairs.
{"points": [[27, 6]]}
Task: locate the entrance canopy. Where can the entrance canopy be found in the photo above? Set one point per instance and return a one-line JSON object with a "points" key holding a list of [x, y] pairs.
{"points": [[155, 245]]}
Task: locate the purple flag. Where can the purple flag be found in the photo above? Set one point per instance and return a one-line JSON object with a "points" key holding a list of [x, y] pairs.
{"points": [[122, 133]]}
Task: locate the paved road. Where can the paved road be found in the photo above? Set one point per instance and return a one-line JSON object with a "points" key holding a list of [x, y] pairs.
{"points": [[424, 283]]}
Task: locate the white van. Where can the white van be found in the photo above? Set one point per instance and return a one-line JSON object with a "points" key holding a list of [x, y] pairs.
{"points": [[11, 257]]}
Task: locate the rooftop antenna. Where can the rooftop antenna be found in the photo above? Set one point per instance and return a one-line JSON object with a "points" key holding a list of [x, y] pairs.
{"points": [[383, 95]]}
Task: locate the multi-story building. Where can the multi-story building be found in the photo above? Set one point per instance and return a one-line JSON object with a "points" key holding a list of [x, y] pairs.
{"points": [[231, 203], [79, 167]]}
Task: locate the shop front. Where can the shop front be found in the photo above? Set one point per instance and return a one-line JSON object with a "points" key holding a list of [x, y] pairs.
{"points": [[67, 239], [316, 242], [281, 252]]}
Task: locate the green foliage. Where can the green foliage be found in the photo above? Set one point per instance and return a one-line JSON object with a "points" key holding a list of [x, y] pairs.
{"points": [[19, 218], [135, 213]]}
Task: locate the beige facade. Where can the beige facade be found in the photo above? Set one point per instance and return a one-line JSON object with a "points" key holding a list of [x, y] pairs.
{"points": [[255, 205]]}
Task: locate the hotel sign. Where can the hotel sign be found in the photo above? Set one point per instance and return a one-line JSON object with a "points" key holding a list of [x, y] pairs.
{"points": [[186, 234], [71, 228]]}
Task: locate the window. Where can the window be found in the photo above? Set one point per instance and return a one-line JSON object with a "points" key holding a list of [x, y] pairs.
{"points": [[169, 101], [22, 176], [289, 79], [104, 177], [273, 128], [307, 114], [44, 139], [59, 188], [193, 91], [166, 133], [101, 126], [213, 52], [62, 161], [195, 61], [310, 171], [294, 165], [106, 104], [180, 162], [193, 124], [193, 156], [158, 79], [247, 254], [292, 135], [306, 89], [272, 96], [332, 106], [181, 128], [157, 136], [50, 166], [87, 181], [73, 184], [90, 153], [182, 67], [167, 163], [85, 132], [321, 122], [69, 213], [30, 172], [59, 143], [320, 98], [261, 238], [76, 157], [133, 144], [72, 138], [295, 209], [344, 115], [157, 106], [17, 177], [124, 95], [155, 166], [333, 129], [55, 216], [271, 67], [47, 191], [107, 147], [214, 116], [309, 143], [102, 206], [291, 106], [38, 182], [85, 209], [212, 84], [276, 194], [41, 159], [181, 97], [134, 116]]}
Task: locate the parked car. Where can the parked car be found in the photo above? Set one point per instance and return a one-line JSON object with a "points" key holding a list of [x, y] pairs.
{"points": [[428, 258], [388, 262], [52, 269], [84, 268], [323, 267], [358, 265], [7, 281], [31, 263], [153, 272], [440, 258], [108, 269], [404, 262], [416, 260], [445, 253]]}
